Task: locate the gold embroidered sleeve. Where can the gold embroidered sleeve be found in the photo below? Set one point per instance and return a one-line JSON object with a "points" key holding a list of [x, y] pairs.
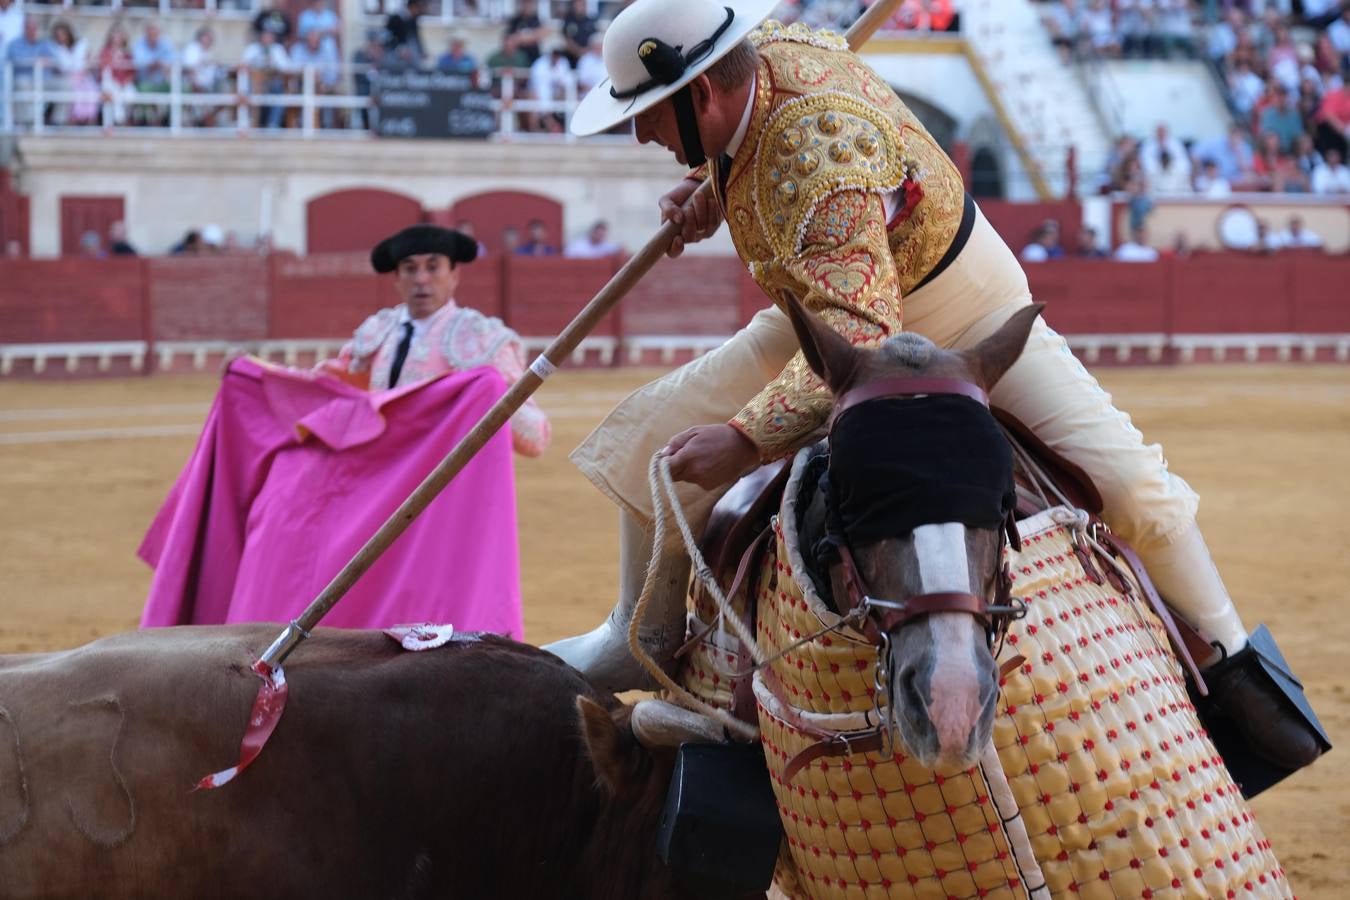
{"points": [[845, 273]]}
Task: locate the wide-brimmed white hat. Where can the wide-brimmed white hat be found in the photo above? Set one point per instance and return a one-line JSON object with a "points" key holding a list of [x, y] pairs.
{"points": [[701, 31]]}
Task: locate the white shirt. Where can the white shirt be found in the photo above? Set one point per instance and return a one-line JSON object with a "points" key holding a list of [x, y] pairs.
{"points": [[200, 64], [590, 72], [1132, 253], [1034, 252], [1339, 33], [1304, 238], [1217, 188], [1328, 180], [256, 56], [11, 24], [548, 77]]}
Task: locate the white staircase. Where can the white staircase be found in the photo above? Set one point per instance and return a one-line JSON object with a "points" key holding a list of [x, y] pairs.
{"points": [[1046, 102]]}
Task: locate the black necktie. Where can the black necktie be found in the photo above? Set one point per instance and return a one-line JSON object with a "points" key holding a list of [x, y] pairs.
{"points": [[401, 353], [723, 174]]}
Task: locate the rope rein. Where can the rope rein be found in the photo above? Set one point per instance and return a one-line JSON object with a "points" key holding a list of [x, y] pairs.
{"points": [[665, 504]]}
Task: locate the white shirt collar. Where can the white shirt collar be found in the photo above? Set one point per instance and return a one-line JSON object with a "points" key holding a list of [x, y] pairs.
{"points": [[420, 326], [739, 137]]}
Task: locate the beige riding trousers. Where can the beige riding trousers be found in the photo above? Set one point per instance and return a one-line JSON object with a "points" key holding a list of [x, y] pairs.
{"points": [[1047, 389]]}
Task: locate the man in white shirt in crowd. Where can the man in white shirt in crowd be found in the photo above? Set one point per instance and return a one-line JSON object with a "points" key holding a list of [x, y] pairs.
{"points": [[1297, 237], [591, 65], [594, 244], [1166, 160], [268, 65], [1210, 183], [1332, 176], [313, 50], [1136, 249], [549, 76]]}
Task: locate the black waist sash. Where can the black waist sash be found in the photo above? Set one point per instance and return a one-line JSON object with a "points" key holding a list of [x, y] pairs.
{"points": [[958, 242]]}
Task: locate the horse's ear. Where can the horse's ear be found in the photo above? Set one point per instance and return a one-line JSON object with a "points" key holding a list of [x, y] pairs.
{"points": [[827, 352], [610, 743], [993, 356]]}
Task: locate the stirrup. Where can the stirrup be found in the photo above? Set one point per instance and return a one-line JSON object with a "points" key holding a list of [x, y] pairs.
{"points": [[1252, 773]]}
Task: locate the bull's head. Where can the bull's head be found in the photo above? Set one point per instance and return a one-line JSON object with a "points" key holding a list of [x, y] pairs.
{"points": [[943, 681]]}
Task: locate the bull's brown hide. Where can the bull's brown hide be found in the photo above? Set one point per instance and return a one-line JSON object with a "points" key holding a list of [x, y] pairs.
{"points": [[13, 780], [97, 797]]}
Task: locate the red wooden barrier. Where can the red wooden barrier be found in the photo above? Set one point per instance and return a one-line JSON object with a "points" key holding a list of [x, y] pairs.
{"points": [[208, 298], [1087, 297], [1230, 293], [543, 294], [70, 300], [689, 295]]}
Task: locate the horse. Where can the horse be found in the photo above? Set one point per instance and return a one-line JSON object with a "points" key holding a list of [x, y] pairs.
{"points": [[952, 703]]}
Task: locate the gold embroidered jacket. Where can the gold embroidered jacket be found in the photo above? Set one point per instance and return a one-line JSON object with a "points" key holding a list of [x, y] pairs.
{"points": [[805, 198]]}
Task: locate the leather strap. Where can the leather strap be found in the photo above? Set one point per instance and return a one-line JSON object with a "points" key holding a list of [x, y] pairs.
{"points": [[901, 386], [938, 601], [837, 745], [1126, 552]]}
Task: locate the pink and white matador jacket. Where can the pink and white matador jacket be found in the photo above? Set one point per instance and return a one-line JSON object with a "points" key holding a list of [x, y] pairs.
{"points": [[453, 339]]}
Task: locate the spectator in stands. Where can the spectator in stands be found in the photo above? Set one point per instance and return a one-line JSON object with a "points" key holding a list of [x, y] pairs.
{"points": [[213, 240], [1233, 155], [117, 73], [190, 245], [91, 246], [1044, 244], [13, 249], [1338, 33], [1177, 33], [26, 51], [1088, 247], [1296, 237], [511, 240], [367, 62], [1139, 194], [1210, 183], [1283, 58], [1306, 157], [1225, 35], [1166, 162], [527, 30], [203, 75], [594, 244], [1067, 26], [1266, 242], [267, 65], [403, 32], [1136, 249], [1333, 121], [1181, 247], [591, 66], [1101, 29], [467, 228], [1282, 118], [269, 18], [1245, 88], [549, 77], [1137, 22], [72, 74], [118, 245], [508, 60], [1275, 171], [577, 29], [320, 17], [11, 23], [538, 244], [1333, 176], [1125, 152], [457, 60], [322, 56], [154, 57]]}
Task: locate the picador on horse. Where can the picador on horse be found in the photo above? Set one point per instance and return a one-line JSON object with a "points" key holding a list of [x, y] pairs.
{"points": [[835, 192]]}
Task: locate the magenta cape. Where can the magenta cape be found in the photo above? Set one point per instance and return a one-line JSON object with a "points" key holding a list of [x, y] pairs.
{"points": [[294, 473]]}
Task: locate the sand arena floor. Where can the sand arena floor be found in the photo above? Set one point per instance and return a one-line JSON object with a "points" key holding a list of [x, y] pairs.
{"points": [[85, 465]]}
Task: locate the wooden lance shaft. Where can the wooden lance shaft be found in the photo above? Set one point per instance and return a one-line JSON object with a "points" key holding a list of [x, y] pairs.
{"points": [[558, 351]]}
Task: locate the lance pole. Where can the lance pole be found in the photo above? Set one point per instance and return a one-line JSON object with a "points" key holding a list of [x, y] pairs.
{"points": [[558, 351]]}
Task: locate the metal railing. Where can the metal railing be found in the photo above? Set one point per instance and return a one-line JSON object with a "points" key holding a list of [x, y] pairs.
{"points": [[309, 101], [225, 9]]}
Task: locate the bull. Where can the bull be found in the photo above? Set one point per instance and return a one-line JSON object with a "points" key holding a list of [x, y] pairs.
{"points": [[485, 768]]}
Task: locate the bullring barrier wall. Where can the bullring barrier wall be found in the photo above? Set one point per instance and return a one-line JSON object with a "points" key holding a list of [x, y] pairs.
{"points": [[88, 316]]}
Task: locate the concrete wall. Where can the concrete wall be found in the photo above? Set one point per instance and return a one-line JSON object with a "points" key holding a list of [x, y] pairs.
{"points": [[263, 184], [1182, 94]]}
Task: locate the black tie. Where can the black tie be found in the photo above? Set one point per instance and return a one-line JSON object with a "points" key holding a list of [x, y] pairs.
{"points": [[401, 353]]}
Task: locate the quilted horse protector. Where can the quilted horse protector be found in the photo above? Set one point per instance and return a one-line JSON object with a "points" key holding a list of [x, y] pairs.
{"points": [[1100, 781]]}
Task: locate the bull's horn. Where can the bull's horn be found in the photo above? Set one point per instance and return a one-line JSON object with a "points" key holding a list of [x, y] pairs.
{"points": [[657, 723]]}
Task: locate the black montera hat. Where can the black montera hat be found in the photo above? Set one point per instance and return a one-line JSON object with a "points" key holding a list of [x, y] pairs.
{"points": [[418, 239]]}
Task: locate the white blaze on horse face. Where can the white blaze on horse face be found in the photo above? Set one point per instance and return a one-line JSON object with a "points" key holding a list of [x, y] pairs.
{"points": [[954, 697]]}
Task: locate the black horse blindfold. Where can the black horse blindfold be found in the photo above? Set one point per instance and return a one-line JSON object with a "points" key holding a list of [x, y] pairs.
{"points": [[896, 464]]}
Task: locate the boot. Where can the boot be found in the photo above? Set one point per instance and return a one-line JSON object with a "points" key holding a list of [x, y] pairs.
{"points": [[602, 654], [1274, 729]]}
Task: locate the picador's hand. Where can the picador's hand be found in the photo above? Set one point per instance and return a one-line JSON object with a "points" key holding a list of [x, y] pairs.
{"points": [[711, 455], [694, 211]]}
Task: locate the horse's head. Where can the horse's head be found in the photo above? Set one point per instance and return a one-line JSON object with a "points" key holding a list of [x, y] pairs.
{"points": [[920, 483]]}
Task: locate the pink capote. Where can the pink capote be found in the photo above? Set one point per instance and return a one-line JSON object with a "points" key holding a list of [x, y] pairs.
{"points": [[291, 476]]}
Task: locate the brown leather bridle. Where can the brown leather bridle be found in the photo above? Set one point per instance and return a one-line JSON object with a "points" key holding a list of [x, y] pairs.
{"points": [[884, 615]]}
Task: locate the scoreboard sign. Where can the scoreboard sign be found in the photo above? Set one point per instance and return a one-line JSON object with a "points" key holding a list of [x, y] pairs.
{"points": [[431, 105]]}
